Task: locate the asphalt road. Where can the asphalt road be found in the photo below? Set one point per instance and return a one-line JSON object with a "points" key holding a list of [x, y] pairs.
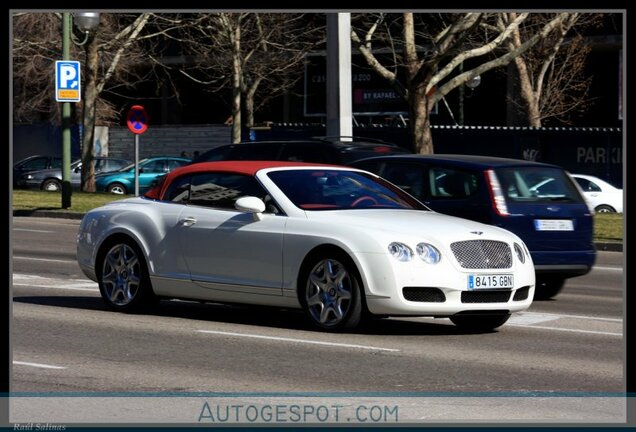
{"points": [[64, 340]]}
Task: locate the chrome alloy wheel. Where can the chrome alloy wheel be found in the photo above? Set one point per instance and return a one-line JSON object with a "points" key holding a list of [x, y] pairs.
{"points": [[121, 275], [329, 292], [117, 189]]}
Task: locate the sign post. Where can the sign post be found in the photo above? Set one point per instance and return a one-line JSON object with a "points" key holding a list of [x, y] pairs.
{"points": [[137, 121], [67, 89]]}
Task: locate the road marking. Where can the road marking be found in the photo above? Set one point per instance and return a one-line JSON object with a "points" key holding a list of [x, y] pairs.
{"points": [[32, 230], [529, 318], [54, 283], [37, 365], [566, 330], [44, 259], [283, 339], [534, 317], [618, 269]]}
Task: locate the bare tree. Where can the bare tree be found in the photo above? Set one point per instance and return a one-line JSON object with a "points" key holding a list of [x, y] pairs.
{"points": [[114, 60], [551, 80], [431, 50], [257, 55]]}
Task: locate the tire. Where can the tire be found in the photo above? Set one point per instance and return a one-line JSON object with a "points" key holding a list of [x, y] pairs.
{"points": [[51, 185], [122, 275], [480, 323], [548, 287], [330, 292], [117, 188], [603, 208]]}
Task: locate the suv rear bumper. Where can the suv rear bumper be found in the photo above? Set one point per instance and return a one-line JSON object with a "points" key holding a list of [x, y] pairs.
{"points": [[565, 264]]}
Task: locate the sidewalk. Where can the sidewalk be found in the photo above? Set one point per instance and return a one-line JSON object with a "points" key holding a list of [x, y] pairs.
{"points": [[600, 246]]}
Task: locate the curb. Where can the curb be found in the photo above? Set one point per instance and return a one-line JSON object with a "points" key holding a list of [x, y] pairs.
{"points": [[609, 247], [49, 213], [600, 246]]}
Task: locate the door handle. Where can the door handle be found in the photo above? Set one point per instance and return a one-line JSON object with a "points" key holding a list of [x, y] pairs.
{"points": [[189, 221]]}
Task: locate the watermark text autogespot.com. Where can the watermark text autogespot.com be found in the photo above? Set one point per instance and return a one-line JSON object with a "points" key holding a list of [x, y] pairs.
{"points": [[297, 413]]}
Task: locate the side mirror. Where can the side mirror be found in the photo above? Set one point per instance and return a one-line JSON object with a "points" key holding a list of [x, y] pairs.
{"points": [[250, 204], [77, 169]]}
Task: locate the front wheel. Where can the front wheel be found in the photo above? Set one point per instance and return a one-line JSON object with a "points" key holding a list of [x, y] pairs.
{"points": [[331, 293], [123, 276], [51, 185], [117, 188], [480, 323]]}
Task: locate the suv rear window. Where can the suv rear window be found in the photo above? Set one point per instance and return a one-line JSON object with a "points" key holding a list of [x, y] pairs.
{"points": [[537, 184]]}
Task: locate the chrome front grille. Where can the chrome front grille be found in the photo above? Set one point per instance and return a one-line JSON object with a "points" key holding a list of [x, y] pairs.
{"points": [[482, 254]]}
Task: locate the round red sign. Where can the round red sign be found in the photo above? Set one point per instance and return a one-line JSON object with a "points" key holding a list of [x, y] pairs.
{"points": [[137, 119]]}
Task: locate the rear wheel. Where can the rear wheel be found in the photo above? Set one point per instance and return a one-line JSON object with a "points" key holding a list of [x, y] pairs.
{"points": [[480, 323], [117, 188], [51, 185], [123, 276], [330, 293], [548, 287]]}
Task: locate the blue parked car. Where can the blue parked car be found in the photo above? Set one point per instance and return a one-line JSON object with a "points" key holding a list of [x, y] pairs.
{"points": [[538, 202], [123, 181]]}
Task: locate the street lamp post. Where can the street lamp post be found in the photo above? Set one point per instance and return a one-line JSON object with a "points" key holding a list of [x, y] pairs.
{"points": [[66, 120], [85, 21]]}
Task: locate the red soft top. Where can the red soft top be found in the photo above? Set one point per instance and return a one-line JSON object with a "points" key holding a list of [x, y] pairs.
{"points": [[238, 167]]}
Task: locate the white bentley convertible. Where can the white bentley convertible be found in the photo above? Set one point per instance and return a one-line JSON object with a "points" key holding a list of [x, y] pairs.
{"points": [[338, 242]]}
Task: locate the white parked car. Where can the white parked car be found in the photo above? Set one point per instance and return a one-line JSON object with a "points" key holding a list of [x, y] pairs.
{"points": [[602, 196], [337, 242]]}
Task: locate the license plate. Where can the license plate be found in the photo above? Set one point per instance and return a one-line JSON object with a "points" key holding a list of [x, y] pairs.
{"points": [[490, 281], [553, 225]]}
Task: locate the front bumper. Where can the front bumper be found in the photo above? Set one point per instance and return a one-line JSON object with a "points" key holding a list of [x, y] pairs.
{"points": [[384, 284]]}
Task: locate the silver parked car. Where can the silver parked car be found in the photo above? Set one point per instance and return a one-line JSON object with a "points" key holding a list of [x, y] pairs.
{"points": [[51, 179]]}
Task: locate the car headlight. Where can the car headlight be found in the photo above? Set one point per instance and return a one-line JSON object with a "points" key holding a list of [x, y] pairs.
{"points": [[525, 248], [27, 177], [520, 254], [400, 252], [428, 253]]}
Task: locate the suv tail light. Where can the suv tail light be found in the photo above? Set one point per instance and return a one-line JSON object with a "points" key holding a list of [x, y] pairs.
{"points": [[496, 194], [382, 149]]}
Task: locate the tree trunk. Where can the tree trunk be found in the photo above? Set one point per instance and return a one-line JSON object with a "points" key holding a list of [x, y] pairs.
{"points": [[419, 112], [420, 122], [528, 97], [88, 121], [249, 102], [236, 85]]}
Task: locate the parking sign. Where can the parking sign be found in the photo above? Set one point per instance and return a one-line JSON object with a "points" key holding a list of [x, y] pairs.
{"points": [[67, 81]]}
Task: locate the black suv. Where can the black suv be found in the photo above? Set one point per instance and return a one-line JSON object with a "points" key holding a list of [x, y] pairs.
{"points": [[317, 150]]}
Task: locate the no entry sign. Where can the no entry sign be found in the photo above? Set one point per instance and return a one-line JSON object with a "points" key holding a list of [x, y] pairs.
{"points": [[137, 119]]}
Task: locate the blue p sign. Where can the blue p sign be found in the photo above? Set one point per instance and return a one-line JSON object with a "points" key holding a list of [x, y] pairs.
{"points": [[67, 81]]}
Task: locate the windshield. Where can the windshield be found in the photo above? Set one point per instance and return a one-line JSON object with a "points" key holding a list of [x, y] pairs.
{"points": [[132, 165], [324, 189], [537, 184]]}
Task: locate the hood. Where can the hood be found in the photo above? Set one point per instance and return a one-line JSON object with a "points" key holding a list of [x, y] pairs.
{"points": [[426, 224]]}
